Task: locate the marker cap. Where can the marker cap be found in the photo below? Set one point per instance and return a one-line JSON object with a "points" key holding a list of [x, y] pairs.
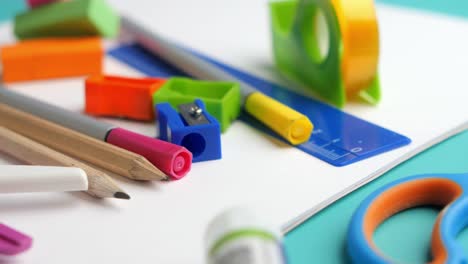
{"points": [[172, 159], [293, 126], [13, 242]]}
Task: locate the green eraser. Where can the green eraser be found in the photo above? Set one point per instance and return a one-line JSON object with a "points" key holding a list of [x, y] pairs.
{"points": [[69, 18], [222, 99]]}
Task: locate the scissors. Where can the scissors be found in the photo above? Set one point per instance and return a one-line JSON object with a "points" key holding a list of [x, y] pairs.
{"points": [[447, 190]]}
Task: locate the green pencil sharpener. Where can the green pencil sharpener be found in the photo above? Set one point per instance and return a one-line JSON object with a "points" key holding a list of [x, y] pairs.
{"points": [[222, 99], [309, 49]]}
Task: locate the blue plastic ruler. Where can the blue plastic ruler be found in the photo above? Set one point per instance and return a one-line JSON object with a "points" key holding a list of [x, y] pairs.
{"points": [[338, 138]]}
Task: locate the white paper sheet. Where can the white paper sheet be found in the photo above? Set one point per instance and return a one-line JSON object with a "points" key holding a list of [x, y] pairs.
{"points": [[423, 72]]}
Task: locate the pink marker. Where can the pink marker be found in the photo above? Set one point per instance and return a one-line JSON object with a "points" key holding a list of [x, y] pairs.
{"points": [[37, 3], [172, 159], [13, 242]]}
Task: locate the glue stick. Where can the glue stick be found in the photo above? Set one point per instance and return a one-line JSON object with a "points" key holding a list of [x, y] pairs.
{"points": [[240, 236]]}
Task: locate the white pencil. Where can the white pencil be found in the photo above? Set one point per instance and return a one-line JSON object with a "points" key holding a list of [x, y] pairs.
{"points": [[23, 179]]}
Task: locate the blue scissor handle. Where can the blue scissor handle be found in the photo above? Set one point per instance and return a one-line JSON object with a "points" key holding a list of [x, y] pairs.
{"points": [[448, 190]]}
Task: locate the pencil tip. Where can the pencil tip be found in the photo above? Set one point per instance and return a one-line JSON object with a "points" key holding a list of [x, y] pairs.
{"points": [[121, 195], [166, 178], [144, 170]]}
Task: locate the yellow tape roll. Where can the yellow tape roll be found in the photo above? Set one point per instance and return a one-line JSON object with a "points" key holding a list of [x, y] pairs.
{"points": [[328, 46], [360, 36]]}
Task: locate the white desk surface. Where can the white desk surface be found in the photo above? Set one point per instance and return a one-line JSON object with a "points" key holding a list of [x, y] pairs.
{"points": [[423, 71]]}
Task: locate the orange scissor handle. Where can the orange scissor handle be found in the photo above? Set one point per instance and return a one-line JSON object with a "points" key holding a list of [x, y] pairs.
{"points": [[442, 190]]}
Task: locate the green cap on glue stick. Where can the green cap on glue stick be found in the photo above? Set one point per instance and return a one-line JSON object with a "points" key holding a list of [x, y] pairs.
{"points": [[239, 235]]}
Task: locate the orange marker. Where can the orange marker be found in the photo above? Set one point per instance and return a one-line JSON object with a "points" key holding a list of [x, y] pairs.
{"points": [[51, 58], [121, 97]]}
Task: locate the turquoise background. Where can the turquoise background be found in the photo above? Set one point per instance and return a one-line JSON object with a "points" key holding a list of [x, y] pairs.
{"points": [[322, 238], [450, 7], [9, 8]]}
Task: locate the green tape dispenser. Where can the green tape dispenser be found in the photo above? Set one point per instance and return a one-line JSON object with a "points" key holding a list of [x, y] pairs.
{"points": [[329, 46]]}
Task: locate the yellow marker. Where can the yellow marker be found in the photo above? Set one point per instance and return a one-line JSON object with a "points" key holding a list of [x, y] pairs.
{"points": [[293, 126], [288, 123]]}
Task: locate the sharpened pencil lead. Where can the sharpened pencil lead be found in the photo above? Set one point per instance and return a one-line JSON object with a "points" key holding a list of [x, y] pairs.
{"points": [[122, 195]]}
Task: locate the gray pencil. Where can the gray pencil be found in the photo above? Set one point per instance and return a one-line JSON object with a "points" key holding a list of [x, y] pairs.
{"points": [[290, 124], [165, 156], [80, 123]]}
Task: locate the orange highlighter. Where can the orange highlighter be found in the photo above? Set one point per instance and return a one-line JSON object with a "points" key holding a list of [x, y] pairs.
{"points": [[116, 96], [51, 58]]}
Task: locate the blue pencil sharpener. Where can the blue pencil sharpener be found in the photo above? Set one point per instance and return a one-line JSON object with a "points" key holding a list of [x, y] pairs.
{"points": [[192, 127]]}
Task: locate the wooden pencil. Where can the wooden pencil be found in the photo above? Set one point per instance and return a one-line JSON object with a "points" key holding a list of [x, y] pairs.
{"points": [[75, 144], [99, 184]]}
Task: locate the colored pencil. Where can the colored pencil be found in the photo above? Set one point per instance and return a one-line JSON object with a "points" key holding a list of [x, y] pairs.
{"points": [[72, 143], [293, 126], [22, 179], [173, 160], [99, 184]]}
